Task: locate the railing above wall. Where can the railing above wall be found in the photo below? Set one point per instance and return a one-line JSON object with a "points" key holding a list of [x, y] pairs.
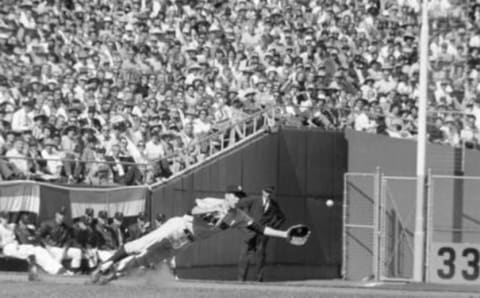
{"points": [[224, 139]]}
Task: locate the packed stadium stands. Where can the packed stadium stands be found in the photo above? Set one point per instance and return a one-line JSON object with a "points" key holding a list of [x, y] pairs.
{"points": [[103, 91]]}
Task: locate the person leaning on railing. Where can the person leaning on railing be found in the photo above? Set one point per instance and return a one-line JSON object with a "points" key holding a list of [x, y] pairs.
{"points": [[53, 158], [100, 173], [126, 174], [8, 169], [18, 158]]}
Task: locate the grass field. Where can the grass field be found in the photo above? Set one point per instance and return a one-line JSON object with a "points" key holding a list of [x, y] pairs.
{"points": [[161, 285]]}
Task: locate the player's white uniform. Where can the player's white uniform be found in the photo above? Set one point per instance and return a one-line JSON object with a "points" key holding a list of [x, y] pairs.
{"points": [[12, 248], [209, 217]]}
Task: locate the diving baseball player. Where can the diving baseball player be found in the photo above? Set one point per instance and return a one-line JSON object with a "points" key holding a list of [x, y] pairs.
{"points": [[208, 217]]}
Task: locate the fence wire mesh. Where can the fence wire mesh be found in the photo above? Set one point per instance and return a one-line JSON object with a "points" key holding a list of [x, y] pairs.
{"points": [[360, 224], [397, 213]]}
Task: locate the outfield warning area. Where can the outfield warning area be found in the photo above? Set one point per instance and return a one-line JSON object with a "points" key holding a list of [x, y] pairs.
{"points": [[15, 285]]}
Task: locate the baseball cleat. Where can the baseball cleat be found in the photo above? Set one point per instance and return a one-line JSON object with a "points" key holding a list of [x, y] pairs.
{"points": [[95, 276], [105, 279]]}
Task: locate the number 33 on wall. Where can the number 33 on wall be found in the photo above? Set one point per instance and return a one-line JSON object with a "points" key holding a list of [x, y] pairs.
{"points": [[454, 263]]}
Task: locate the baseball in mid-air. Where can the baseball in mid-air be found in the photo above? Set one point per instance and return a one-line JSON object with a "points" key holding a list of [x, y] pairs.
{"points": [[329, 203]]}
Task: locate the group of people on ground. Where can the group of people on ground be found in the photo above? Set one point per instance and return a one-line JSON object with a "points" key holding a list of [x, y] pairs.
{"points": [[63, 249]]}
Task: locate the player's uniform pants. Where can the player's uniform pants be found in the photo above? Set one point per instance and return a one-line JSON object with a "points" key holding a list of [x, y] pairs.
{"points": [[159, 244], [93, 255], [42, 257], [72, 253], [104, 255]]}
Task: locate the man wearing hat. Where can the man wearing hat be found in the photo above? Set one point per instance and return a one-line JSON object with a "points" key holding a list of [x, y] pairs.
{"points": [[139, 228], [56, 236], [84, 239], [104, 236], [210, 216], [119, 228], [266, 211]]}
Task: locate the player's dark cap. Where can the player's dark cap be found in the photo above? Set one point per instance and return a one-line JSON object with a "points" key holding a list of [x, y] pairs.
{"points": [[4, 214], [160, 217], [89, 212], [236, 190], [142, 216], [62, 210], [118, 216], [103, 214], [269, 189]]}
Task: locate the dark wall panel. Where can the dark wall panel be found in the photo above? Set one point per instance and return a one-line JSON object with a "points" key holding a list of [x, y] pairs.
{"points": [[292, 163], [290, 160], [320, 164], [201, 179], [340, 153], [326, 225], [231, 172], [259, 167]]}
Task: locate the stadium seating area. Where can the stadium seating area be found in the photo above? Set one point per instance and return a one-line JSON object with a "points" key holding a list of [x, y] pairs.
{"points": [[125, 83]]}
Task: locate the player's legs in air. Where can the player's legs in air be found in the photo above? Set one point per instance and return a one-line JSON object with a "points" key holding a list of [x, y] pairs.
{"points": [[153, 256], [151, 248]]}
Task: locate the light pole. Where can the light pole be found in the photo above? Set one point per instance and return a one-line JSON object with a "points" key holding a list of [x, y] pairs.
{"points": [[419, 236]]}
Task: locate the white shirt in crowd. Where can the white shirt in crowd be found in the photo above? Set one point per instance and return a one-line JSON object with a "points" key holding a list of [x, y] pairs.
{"points": [[362, 122], [154, 151], [22, 120], [200, 127], [54, 167], [18, 159]]}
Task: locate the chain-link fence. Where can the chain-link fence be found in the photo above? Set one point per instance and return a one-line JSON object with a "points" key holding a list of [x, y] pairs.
{"points": [[360, 226], [397, 226]]}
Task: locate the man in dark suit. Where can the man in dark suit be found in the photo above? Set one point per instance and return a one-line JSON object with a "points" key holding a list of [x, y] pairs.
{"points": [[267, 212]]}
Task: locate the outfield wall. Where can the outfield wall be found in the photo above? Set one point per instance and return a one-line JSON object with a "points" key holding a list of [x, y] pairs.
{"points": [[306, 166]]}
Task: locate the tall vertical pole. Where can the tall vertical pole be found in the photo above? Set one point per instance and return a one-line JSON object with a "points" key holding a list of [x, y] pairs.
{"points": [[419, 238]]}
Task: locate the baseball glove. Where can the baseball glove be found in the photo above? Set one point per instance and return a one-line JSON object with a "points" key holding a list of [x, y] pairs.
{"points": [[298, 235]]}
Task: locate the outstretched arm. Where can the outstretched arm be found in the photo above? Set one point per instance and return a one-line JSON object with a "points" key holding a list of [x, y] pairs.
{"points": [[265, 230], [295, 235], [271, 232]]}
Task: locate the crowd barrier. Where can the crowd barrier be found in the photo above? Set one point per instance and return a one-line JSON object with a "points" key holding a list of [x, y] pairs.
{"points": [[44, 199]]}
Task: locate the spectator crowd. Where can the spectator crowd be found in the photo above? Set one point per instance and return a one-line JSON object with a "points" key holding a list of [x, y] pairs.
{"points": [[63, 249], [101, 91]]}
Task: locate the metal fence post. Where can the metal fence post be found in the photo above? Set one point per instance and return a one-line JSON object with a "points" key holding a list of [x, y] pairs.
{"points": [[382, 199], [344, 225], [376, 223], [429, 223]]}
